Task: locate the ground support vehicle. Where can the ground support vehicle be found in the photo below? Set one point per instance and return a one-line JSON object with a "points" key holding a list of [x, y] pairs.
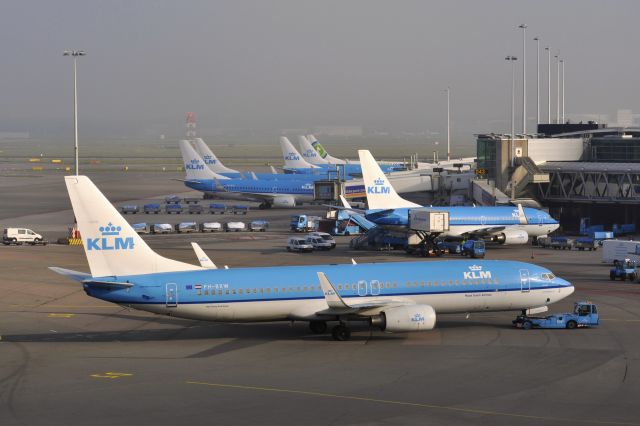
{"points": [[325, 236], [318, 243], [173, 208], [151, 208], [304, 223], [141, 228], [473, 248], [585, 314], [217, 208], [172, 199], [299, 244], [129, 208], [259, 225], [162, 228], [195, 209], [234, 226], [211, 227], [187, 227], [623, 270], [189, 200], [239, 209], [616, 251], [561, 243], [585, 243], [19, 236]]}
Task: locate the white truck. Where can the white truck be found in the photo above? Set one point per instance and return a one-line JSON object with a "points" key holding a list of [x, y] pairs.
{"points": [[21, 236], [616, 251]]}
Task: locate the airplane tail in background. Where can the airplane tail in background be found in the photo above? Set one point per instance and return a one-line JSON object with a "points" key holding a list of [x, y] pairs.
{"points": [[309, 153], [380, 193], [292, 158], [323, 153], [194, 164], [210, 158], [112, 246]]}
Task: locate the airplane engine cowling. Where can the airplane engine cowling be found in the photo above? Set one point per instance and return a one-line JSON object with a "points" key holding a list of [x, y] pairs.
{"points": [[284, 201], [512, 237], [406, 318]]}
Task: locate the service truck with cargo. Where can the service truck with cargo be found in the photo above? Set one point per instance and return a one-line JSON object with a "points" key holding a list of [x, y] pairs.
{"points": [[616, 251]]}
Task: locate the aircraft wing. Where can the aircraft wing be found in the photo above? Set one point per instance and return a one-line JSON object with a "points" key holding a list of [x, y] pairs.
{"points": [[381, 213], [485, 231], [337, 305]]}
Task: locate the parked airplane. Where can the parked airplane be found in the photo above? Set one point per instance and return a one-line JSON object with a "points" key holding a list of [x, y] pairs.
{"points": [[315, 154], [324, 154], [271, 193], [400, 297], [505, 225]]}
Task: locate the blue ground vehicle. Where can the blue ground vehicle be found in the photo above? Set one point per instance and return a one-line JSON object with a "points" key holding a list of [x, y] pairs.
{"points": [[173, 208], [585, 314], [152, 208], [623, 270], [304, 223], [473, 248]]}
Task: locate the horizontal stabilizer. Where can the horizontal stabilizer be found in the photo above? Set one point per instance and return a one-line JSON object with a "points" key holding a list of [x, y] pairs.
{"points": [[69, 273], [101, 283]]}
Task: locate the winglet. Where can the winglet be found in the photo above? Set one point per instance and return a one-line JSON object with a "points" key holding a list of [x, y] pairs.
{"points": [[354, 261], [344, 201], [330, 294], [204, 260], [521, 215], [273, 170]]}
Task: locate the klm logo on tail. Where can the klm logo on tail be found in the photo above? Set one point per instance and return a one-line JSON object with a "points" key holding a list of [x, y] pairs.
{"points": [[309, 154], [110, 239], [194, 165], [378, 187], [292, 157], [476, 273], [208, 160]]}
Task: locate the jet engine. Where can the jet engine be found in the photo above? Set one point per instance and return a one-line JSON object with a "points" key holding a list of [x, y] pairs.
{"points": [[406, 318], [284, 201], [509, 236]]}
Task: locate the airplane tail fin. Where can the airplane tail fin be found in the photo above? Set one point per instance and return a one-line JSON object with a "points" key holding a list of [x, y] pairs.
{"points": [[308, 151], [194, 165], [322, 152], [292, 158], [380, 193], [210, 158], [112, 246]]}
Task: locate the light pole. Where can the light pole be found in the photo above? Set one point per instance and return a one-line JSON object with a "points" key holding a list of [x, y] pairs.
{"points": [[75, 54], [548, 49], [562, 62], [557, 89], [537, 40], [448, 123], [513, 60], [524, 77]]}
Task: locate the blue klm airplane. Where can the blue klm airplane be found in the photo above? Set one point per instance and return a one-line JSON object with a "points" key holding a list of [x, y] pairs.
{"points": [[269, 192], [396, 297], [505, 225]]}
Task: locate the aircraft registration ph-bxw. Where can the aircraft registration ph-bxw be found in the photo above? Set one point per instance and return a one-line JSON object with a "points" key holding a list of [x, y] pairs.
{"points": [[404, 296], [505, 225]]}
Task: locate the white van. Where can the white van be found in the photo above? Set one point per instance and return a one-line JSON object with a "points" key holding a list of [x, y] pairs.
{"points": [[20, 236], [298, 244], [327, 238]]}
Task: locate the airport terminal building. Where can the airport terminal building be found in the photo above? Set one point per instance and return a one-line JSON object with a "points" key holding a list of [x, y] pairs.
{"points": [[575, 170]]}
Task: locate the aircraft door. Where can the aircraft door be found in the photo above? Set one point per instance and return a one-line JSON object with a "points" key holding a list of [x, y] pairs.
{"points": [[171, 295], [525, 281], [362, 288], [375, 287], [483, 220]]}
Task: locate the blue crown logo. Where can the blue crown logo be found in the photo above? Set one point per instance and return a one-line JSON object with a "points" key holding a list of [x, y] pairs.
{"points": [[378, 182], [195, 161], [110, 229], [475, 268]]}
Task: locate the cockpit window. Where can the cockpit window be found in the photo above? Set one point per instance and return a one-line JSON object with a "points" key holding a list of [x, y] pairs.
{"points": [[547, 276]]}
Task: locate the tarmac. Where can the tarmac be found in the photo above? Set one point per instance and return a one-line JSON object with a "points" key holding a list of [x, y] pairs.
{"points": [[66, 358]]}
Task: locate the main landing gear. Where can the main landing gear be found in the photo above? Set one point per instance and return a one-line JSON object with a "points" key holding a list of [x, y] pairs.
{"points": [[340, 332], [264, 205]]}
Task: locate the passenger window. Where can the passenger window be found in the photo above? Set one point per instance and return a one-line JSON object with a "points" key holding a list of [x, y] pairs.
{"points": [[484, 281], [268, 290], [408, 284], [305, 288], [226, 291], [275, 290], [457, 282], [495, 281], [233, 291], [339, 287], [395, 285], [219, 292], [239, 291], [388, 284]]}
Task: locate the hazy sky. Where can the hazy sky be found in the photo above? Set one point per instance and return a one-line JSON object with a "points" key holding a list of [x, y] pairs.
{"points": [[291, 64]]}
